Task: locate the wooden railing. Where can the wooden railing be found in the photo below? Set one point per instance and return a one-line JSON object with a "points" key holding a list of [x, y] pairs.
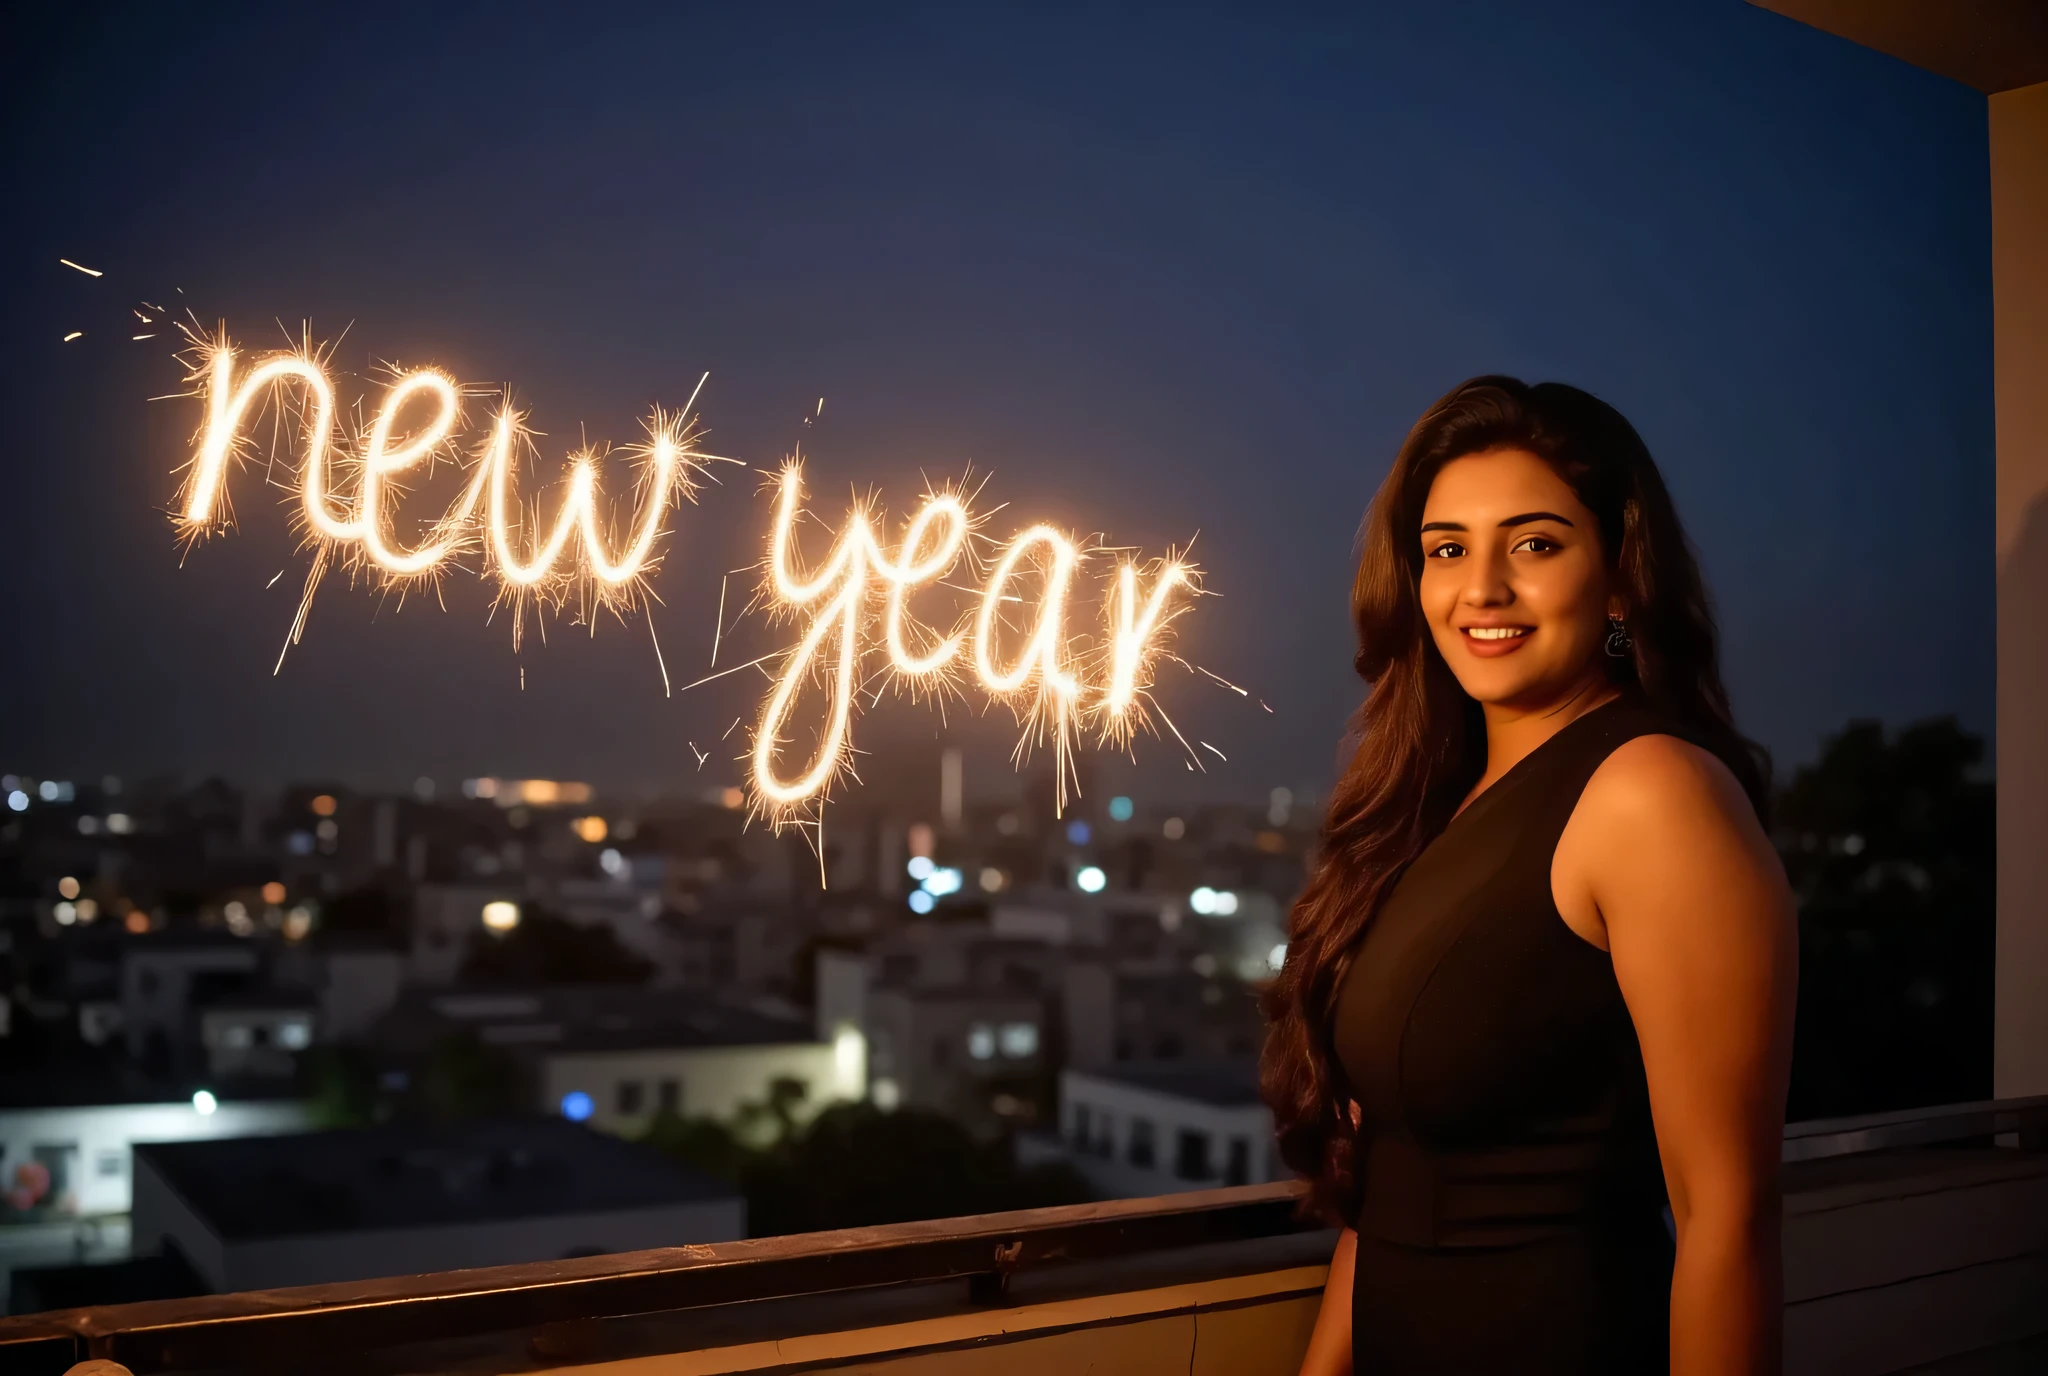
{"points": [[342, 1326]]}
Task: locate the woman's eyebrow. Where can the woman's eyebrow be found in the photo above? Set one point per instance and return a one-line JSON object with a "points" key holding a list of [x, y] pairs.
{"points": [[1527, 517], [1428, 526]]}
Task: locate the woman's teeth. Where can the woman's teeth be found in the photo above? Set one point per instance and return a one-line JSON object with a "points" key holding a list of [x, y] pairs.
{"points": [[1495, 632]]}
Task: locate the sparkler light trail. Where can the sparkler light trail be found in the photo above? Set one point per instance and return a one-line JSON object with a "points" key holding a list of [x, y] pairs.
{"points": [[1013, 637], [1042, 681], [357, 528]]}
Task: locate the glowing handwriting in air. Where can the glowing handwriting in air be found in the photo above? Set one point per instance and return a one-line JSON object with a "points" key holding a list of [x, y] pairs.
{"points": [[1040, 680], [360, 525], [1016, 640]]}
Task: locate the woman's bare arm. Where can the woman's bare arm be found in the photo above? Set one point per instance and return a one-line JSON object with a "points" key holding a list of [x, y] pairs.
{"points": [[1329, 1347], [1664, 864]]}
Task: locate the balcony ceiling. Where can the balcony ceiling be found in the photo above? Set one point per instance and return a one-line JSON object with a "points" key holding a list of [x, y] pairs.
{"points": [[1993, 45]]}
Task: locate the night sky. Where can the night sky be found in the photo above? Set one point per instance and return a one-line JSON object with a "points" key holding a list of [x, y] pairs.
{"points": [[1159, 271]]}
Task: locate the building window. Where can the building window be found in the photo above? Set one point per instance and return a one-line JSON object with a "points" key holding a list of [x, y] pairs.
{"points": [[1144, 1149], [1019, 1039], [981, 1041], [632, 1093], [1239, 1171], [669, 1095], [1082, 1126], [1191, 1155], [113, 1163], [1105, 1136]]}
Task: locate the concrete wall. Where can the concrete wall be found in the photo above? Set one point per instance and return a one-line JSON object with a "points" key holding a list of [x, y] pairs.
{"points": [[104, 1135], [715, 1080], [326, 1257], [2019, 256]]}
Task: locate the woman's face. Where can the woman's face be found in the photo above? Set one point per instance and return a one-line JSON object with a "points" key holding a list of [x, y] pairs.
{"points": [[1514, 582]]}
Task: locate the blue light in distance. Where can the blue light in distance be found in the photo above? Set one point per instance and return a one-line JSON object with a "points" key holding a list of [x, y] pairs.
{"points": [[1078, 833], [921, 902], [939, 883], [920, 867], [1091, 879], [1120, 809], [576, 1106]]}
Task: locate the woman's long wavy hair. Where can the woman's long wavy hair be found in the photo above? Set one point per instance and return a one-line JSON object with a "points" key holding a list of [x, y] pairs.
{"points": [[1419, 743]]}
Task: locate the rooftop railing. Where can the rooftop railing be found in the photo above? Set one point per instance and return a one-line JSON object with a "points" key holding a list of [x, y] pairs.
{"points": [[683, 1299]]}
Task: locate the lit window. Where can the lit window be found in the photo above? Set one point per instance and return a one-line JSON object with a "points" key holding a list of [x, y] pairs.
{"points": [[501, 916], [1019, 1039], [1226, 903], [590, 829], [294, 1035], [981, 1041], [120, 823]]}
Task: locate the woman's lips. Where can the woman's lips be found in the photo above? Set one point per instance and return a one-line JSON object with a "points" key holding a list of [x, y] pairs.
{"points": [[1491, 642]]}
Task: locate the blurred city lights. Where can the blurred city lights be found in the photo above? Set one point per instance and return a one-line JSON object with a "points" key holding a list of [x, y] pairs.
{"points": [[1174, 829], [1078, 833], [590, 829], [1121, 809], [991, 879], [615, 865], [203, 1101], [65, 913], [1277, 957], [1091, 879], [67, 887], [921, 902], [1226, 903], [17, 800], [577, 1106], [920, 867], [273, 892], [501, 916], [119, 823], [1203, 900], [941, 882], [323, 806]]}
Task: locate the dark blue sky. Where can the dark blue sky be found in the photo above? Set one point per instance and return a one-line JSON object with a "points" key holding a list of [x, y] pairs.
{"points": [[1160, 270]]}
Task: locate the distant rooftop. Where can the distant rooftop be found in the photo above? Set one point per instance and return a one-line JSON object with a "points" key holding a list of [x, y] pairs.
{"points": [[1230, 1082], [608, 1018], [409, 1177]]}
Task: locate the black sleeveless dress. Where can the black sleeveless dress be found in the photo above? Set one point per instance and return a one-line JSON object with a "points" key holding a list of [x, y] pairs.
{"points": [[1513, 1216]]}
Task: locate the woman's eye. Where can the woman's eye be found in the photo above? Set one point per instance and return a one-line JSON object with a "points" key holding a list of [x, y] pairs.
{"points": [[1449, 549], [1536, 544]]}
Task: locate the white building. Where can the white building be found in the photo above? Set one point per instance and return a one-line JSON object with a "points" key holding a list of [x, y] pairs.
{"points": [[1148, 1128], [86, 1150]]}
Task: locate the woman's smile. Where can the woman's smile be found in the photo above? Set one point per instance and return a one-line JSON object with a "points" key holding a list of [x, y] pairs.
{"points": [[1490, 642]]}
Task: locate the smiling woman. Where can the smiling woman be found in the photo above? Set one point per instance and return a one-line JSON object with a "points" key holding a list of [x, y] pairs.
{"points": [[1536, 999]]}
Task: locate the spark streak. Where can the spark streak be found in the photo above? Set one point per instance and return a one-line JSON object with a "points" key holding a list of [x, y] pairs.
{"points": [[89, 272]]}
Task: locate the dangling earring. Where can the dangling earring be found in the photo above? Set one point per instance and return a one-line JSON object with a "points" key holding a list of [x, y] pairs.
{"points": [[1620, 644]]}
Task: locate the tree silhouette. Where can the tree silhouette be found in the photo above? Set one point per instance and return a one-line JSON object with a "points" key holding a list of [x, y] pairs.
{"points": [[1890, 846]]}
